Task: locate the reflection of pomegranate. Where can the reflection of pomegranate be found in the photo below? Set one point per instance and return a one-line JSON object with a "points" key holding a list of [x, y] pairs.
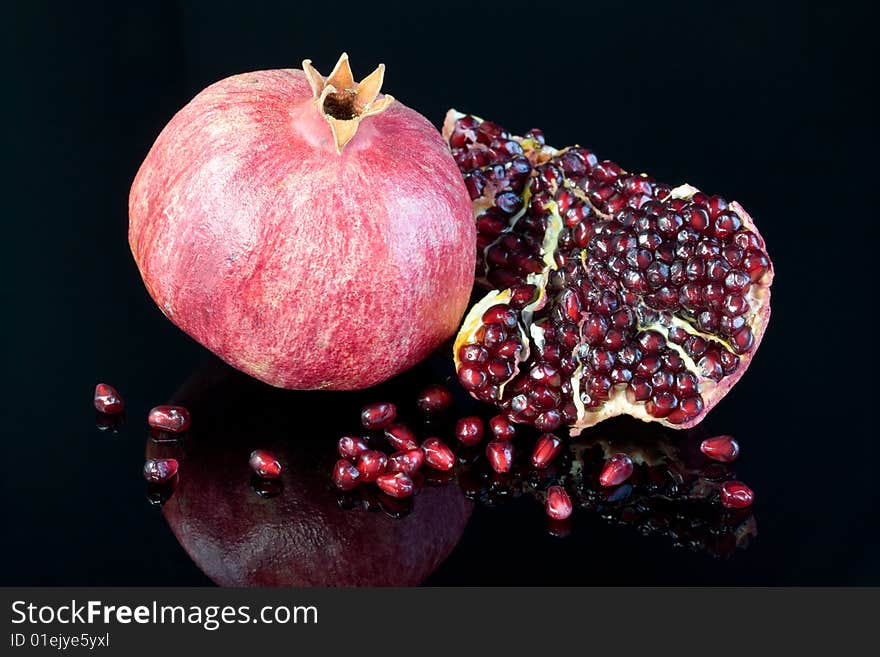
{"points": [[312, 233], [613, 293], [298, 536]]}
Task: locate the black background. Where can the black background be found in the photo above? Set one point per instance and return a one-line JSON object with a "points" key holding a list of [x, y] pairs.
{"points": [[767, 103]]}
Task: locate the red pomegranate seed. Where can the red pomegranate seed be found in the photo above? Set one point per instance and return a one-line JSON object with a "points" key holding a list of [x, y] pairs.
{"points": [[558, 503], [345, 475], [264, 464], [351, 447], [378, 416], [502, 428], [434, 399], [720, 448], [469, 430], [395, 484], [371, 464], [401, 437], [108, 400], [500, 455], [736, 495], [408, 461], [437, 454], [159, 471], [617, 469], [546, 449], [173, 419]]}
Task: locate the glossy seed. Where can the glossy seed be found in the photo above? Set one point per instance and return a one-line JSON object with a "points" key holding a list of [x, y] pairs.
{"points": [[558, 505], [108, 400], [159, 471], [720, 448], [378, 416], [173, 419], [264, 464], [736, 495], [616, 470]]}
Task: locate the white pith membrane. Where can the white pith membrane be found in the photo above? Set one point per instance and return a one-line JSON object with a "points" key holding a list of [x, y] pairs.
{"points": [[757, 292]]}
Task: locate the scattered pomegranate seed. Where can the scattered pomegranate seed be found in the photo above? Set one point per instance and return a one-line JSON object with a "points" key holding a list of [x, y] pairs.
{"points": [[351, 447], [720, 448], [617, 469], [546, 449], [408, 461], [173, 419], [378, 416], [434, 398], [264, 464], [401, 437], [469, 430], [159, 471], [345, 475], [371, 464], [736, 495], [500, 455], [108, 400], [558, 503], [437, 454], [395, 484], [502, 428]]}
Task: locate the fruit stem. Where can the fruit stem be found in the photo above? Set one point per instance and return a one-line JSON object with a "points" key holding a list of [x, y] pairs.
{"points": [[343, 102]]}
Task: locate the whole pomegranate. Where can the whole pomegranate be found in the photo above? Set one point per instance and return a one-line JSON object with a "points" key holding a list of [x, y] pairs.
{"points": [[312, 233], [611, 294]]}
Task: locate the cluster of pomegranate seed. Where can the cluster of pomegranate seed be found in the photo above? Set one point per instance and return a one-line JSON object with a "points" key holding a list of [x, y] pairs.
{"points": [[614, 293], [394, 473]]}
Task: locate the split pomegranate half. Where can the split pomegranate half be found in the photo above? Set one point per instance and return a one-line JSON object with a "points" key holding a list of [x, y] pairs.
{"points": [[610, 294]]}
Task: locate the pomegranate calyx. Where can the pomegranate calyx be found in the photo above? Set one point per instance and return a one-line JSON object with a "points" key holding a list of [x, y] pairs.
{"points": [[344, 103]]}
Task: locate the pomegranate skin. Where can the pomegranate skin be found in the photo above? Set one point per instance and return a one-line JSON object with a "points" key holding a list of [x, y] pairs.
{"points": [[302, 266]]}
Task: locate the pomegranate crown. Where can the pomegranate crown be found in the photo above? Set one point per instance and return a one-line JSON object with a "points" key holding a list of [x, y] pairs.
{"points": [[343, 102]]}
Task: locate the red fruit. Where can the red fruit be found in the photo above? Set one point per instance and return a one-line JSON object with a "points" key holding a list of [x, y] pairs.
{"points": [[371, 464], [159, 471], [720, 448], [351, 447], [736, 495], [312, 233], [108, 400], [396, 484], [617, 469], [434, 399], [345, 475], [437, 454], [401, 437], [546, 449], [500, 455], [558, 505], [173, 419], [502, 428], [469, 430], [264, 464], [408, 461], [610, 294], [376, 416]]}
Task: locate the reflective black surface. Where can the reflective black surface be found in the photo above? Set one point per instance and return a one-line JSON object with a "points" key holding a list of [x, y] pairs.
{"points": [[758, 101]]}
